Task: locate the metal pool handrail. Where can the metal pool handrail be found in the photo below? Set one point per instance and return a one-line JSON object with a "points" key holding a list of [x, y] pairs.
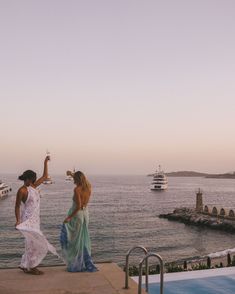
{"points": [[127, 265], [140, 272]]}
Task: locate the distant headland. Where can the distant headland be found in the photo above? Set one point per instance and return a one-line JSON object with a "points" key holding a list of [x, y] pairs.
{"points": [[229, 175]]}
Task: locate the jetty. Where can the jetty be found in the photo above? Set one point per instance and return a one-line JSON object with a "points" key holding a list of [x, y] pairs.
{"points": [[214, 217], [56, 280]]}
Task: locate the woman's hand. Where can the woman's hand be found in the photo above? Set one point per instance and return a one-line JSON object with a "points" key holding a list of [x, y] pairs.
{"points": [[69, 173], [47, 158], [68, 218]]}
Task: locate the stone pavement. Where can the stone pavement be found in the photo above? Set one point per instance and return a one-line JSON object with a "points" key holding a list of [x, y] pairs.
{"points": [[56, 280]]}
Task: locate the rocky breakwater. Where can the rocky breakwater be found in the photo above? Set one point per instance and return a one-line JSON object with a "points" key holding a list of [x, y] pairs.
{"points": [[192, 217]]}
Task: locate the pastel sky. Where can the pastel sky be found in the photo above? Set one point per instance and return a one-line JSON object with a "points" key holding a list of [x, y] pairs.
{"points": [[117, 86]]}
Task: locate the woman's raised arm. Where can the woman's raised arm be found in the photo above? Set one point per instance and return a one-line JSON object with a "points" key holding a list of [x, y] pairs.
{"points": [[45, 173]]}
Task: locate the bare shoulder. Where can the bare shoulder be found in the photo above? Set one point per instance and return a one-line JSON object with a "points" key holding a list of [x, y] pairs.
{"points": [[78, 189], [23, 190], [21, 195]]}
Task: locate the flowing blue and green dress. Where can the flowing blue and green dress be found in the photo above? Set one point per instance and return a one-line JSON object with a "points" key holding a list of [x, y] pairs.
{"points": [[75, 242]]}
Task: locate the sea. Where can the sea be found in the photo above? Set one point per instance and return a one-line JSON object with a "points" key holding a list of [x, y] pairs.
{"points": [[123, 213]]}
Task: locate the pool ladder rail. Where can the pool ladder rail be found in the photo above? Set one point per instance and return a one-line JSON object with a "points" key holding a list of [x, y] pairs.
{"points": [[144, 260]]}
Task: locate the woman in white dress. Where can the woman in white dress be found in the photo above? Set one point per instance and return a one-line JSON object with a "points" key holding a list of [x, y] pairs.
{"points": [[28, 221]]}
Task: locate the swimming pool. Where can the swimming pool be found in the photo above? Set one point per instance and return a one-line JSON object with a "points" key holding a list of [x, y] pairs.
{"points": [[214, 281]]}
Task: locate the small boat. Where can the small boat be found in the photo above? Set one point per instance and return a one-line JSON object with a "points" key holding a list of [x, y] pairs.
{"points": [[69, 178], [4, 190], [48, 181], [159, 180]]}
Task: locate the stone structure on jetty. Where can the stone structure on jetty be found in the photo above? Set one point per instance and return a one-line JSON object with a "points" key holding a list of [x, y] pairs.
{"points": [[215, 217]]}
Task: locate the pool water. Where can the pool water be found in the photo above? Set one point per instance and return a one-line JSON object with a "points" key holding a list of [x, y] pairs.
{"points": [[212, 281], [208, 285]]}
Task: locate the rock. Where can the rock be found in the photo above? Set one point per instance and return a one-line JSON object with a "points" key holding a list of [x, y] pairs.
{"points": [[192, 217]]}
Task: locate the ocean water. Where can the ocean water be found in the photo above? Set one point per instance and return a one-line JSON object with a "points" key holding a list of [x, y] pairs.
{"points": [[123, 213]]}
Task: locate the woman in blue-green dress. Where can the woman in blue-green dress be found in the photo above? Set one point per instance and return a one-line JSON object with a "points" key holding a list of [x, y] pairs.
{"points": [[74, 238]]}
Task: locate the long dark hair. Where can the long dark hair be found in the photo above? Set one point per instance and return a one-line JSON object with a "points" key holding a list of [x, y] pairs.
{"points": [[28, 175]]}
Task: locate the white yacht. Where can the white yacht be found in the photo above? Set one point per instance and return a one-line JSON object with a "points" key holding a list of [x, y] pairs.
{"points": [[48, 181], [159, 180], [4, 189]]}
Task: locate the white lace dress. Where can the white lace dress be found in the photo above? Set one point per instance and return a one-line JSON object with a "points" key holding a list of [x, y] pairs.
{"points": [[36, 244]]}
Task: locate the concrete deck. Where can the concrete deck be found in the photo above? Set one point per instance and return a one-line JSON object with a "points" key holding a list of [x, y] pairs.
{"points": [[56, 280]]}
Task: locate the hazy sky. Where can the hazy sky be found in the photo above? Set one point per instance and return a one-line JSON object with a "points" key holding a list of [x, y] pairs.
{"points": [[117, 86]]}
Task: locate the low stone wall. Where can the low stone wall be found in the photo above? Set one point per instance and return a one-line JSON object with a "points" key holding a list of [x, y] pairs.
{"points": [[220, 212]]}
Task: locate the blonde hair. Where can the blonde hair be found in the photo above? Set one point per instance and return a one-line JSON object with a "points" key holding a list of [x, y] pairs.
{"points": [[81, 180]]}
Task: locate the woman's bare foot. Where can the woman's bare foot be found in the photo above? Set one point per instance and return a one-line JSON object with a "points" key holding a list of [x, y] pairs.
{"points": [[33, 271], [22, 268]]}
